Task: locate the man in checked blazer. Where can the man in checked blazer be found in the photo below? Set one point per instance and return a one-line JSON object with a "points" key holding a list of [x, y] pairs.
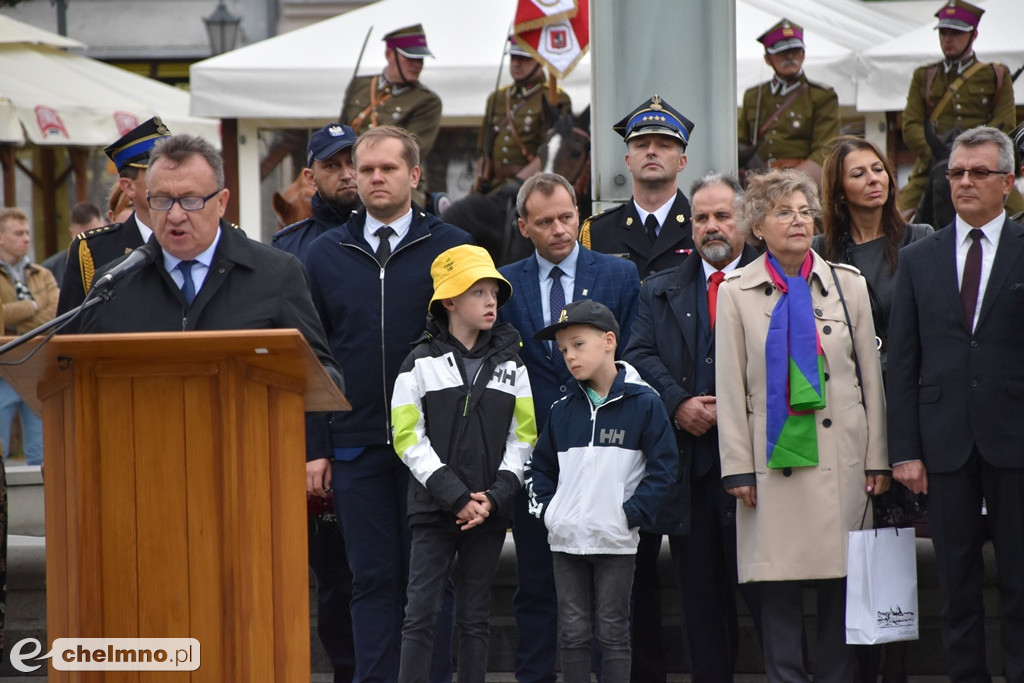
{"points": [[549, 218], [955, 394]]}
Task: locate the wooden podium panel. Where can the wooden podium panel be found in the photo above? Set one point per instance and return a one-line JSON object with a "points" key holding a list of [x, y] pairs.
{"points": [[175, 495]]}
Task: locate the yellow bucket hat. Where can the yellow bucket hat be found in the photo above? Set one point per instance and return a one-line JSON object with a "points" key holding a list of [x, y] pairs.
{"points": [[454, 271]]}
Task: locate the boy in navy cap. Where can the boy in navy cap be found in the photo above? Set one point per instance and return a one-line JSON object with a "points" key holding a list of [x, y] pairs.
{"points": [[603, 466]]}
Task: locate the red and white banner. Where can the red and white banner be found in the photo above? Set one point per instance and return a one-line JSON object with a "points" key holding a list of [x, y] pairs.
{"points": [[558, 44], [531, 14]]}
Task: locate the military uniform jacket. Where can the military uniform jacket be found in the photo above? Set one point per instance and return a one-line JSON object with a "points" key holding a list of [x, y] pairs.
{"points": [[517, 127], [414, 108], [90, 251], [975, 103], [802, 131], [620, 232]]}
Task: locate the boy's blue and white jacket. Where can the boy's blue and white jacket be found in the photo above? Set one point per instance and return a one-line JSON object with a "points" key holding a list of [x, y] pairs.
{"points": [[458, 436], [598, 473]]}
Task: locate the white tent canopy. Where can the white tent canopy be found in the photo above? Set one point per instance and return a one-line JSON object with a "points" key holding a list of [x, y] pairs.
{"points": [[302, 75], [886, 70], [51, 97]]}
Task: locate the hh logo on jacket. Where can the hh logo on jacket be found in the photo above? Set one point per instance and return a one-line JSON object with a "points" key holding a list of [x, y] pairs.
{"points": [[612, 436], [505, 376]]}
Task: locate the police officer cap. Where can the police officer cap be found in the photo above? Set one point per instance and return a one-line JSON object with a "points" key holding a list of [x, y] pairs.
{"points": [[959, 16], [515, 49], [785, 35], [655, 117], [409, 41], [133, 148], [328, 141]]}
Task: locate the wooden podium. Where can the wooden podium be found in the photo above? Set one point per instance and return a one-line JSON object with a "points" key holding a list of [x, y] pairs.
{"points": [[175, 494]]}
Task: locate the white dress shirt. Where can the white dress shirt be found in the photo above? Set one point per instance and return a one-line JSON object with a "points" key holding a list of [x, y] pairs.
{"points": [[992, 230]]}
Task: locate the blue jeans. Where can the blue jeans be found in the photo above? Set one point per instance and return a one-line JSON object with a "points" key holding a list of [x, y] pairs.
{"points": [[434, 547], [593, 598], [370, 500], [31, 426]]}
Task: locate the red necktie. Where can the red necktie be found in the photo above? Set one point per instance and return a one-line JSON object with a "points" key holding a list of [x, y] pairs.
{"points": [[713, 282], [971, 281]]}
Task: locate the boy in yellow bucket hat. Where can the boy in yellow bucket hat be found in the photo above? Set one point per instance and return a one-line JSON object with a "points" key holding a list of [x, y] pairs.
{"points": [[462, 414]]}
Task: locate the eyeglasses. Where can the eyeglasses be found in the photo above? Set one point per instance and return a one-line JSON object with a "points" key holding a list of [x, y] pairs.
{"points": [[958, 174], [788, 216], [187, 203]]}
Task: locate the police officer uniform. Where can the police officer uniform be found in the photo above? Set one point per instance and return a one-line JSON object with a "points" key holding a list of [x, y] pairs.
{"points": [[296, 238], [980, 94], [518, 123], [807, 112], [93, 249], [621, 231], [372, 101]]}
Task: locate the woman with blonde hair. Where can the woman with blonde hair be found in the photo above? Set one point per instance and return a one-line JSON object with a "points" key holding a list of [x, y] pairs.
{"points": [[801, 420]]}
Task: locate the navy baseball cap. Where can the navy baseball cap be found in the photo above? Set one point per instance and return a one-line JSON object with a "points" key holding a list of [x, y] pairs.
{"points": [[328, 141], [582, 312]]}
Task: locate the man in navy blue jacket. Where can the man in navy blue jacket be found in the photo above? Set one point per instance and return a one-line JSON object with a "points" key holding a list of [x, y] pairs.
{"points": [[370, 280], [560, 266]]}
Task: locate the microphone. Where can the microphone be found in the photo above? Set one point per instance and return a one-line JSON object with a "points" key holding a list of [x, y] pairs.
{"points": [[138, 259]]}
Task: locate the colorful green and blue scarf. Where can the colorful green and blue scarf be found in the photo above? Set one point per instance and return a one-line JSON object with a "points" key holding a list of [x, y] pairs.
{"points": [[795, 368]]}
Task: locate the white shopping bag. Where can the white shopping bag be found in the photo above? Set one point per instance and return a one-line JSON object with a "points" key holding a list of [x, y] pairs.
{"points": [[881, 587]]}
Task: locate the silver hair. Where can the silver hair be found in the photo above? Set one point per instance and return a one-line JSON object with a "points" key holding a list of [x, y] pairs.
{"points": [[981, 135]]}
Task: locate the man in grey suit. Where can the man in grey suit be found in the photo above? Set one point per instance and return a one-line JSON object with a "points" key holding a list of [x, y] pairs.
{"points": [[559, 271], [955, 394]]}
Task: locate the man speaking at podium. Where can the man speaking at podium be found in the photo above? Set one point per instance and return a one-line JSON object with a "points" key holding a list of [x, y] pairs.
{"points": [[198, 272]]}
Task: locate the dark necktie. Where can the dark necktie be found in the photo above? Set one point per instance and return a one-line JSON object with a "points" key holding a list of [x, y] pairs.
{"points": [[384, 248], [971, 282], [188, 288], [651, 226], [557, 303], [557, 299], [713, 282]]}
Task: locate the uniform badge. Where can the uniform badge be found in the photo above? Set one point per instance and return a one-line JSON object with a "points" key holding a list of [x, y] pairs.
{"points": [[629, 221]]}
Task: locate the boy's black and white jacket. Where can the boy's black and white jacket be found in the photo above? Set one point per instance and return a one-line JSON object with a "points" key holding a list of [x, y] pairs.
{"points": [[456, 435], [598, 473]]}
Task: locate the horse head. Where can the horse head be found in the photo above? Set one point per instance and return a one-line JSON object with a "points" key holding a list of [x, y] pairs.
{"points": [[566, 151], [936, 205], [294, 203]]}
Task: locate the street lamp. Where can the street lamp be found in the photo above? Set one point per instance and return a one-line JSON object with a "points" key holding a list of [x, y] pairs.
{"points": [[222, 29]]}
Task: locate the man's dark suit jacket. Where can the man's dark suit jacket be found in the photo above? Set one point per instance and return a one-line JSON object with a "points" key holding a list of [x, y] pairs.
{"points": [[610, 280], [948, 389], [89, 252], [620, 232], [663, 347]]}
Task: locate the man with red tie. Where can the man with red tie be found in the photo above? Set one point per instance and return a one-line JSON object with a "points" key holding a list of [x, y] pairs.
{"points": [[673, 348]]}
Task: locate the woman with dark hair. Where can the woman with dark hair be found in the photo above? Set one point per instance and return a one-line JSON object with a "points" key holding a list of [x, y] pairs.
{"points": [[863, 226]]}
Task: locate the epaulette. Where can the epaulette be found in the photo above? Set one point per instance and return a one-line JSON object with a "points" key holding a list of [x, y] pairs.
{"points": [[289, 228], [585, 228], [819, 86], [102, 230]]}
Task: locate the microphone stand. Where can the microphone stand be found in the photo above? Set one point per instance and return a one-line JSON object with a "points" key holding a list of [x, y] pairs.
{"points": [[95, 298]]}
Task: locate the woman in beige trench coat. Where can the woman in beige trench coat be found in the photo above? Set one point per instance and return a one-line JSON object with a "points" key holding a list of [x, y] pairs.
{"points": [[793, 523]]}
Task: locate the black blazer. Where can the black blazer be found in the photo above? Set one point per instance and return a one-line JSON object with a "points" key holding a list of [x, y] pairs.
{"points": [[663, 349], [947, 389], [620, 232]]}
